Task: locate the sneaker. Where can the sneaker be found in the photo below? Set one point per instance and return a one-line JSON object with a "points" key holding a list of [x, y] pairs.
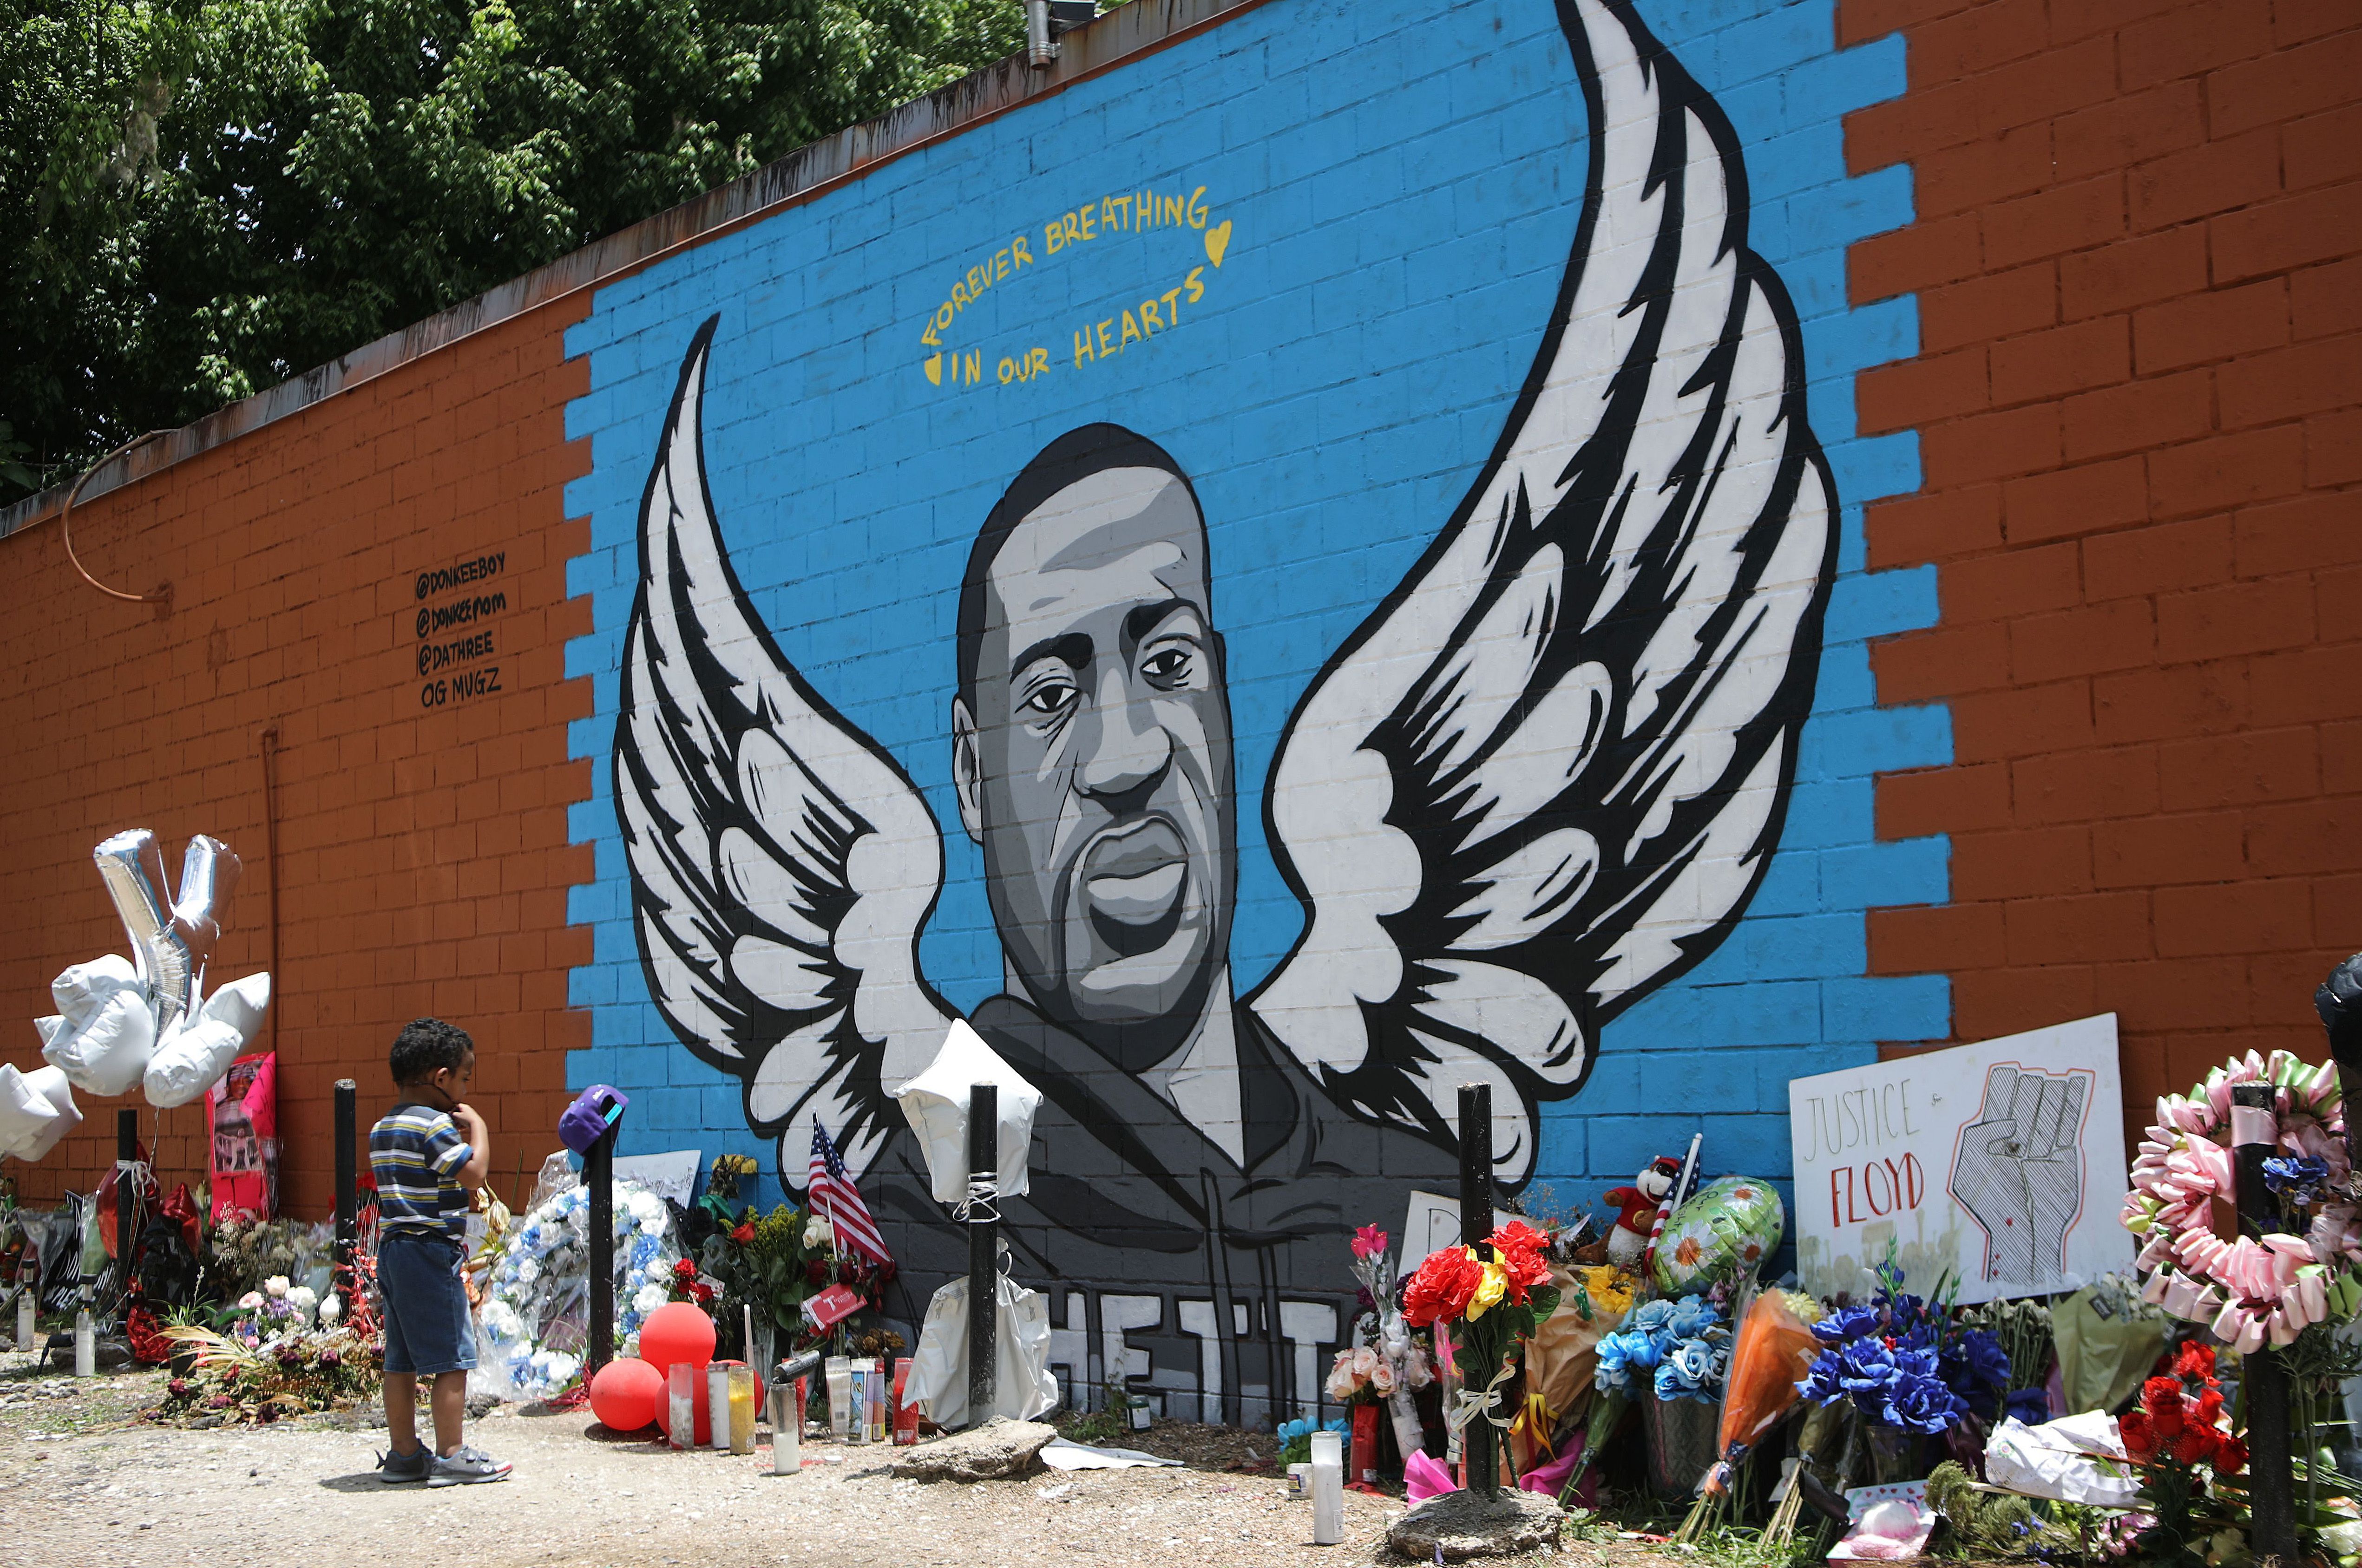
{"points": [[393, 1467], [468, 1467]]}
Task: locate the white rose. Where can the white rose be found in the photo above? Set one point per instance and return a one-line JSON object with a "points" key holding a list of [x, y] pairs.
{"points": [[650, 1298], [276, 1285], [819, 1233]]}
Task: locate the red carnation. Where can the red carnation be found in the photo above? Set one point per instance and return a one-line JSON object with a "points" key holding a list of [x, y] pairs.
{"points": [[684, 1269], [2140, 1444], [2230, 1456], [1440, 1291], [1518, 1247], [700, 1292]]}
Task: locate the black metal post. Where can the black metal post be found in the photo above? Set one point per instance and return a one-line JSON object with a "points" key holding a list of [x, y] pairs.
{"points": [[2339, 1003], [599, 1176], [2271, 1489], [127, 1196], [983, 1246], [348, 1193], [1476, 1438]]}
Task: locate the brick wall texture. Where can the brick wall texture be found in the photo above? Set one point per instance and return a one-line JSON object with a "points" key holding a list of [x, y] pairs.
{"points": [[2139, 400], [424, 861]]}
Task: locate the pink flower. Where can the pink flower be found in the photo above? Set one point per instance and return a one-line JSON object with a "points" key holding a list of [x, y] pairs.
{"points": [[1369, 1242]]}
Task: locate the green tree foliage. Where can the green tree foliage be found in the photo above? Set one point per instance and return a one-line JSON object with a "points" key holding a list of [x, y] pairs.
{"points": [[205, 197]]}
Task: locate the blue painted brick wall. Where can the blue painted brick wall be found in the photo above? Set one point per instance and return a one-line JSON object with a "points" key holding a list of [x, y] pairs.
{"points": [[1404, 178]]}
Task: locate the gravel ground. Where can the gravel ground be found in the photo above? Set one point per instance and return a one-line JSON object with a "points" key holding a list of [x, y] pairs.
{"points": [[84, 1482]]}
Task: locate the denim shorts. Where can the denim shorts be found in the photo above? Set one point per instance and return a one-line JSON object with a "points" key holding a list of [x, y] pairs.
{"points": [[427, 1329]]}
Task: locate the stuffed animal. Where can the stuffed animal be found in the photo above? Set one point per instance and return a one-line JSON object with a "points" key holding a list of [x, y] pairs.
{"points": [[1638, 1206]]}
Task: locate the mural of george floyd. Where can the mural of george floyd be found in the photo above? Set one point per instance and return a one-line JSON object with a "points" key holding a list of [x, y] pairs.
{"points": [[1305, 555]]}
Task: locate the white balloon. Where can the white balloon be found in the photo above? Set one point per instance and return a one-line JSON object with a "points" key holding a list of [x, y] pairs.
{"points": [[104, 1027], [192, 1056]]}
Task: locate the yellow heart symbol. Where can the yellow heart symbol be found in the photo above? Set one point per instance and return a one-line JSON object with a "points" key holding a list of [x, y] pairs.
{"points": [[1217, 240], [935, 369]]}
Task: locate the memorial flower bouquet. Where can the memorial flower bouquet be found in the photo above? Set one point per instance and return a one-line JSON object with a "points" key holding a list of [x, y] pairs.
{"points": [[1674, 1350], [1387, 1363], [1489, 1306], [2179, 1443], [1905, 1371]]}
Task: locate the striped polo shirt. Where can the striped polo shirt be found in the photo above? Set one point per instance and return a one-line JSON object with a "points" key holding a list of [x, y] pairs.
{"points": [[415, 1152]]}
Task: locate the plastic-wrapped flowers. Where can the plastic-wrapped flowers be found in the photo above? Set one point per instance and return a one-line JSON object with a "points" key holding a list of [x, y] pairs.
{"points": [[541, 1280], [1904, 1365], [1674, 1348]]}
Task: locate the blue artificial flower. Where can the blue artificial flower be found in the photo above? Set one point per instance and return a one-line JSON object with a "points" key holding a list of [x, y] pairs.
{"points": [[1687, 1372], [1922, 1404], [1820, 1386], [1624, 1358], [2296, 1178], [2031, 1406], [1846, 1323], [1692, 1316], [1651, 1316], [1866, 1366]]}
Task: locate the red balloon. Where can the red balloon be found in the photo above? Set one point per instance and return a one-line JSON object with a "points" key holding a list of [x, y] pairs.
{"points": [[676, 1331], [623, 1395], [674, 1334]]}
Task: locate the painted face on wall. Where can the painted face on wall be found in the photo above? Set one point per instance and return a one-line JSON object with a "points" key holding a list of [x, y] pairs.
{"points": [[1094, 767]]}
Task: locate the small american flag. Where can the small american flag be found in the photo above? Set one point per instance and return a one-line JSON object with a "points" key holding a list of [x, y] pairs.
{"points": [[832, 1194]]}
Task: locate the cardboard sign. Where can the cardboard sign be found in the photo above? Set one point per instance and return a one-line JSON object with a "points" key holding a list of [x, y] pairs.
{"points": [[2002, 1163], [1432, 1221]]}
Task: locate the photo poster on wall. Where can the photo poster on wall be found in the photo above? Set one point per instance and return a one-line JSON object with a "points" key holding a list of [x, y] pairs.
{"points": [[2002, 1163]]}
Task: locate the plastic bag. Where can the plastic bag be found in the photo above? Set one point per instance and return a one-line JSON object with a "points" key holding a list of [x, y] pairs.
{"points": [[2102, 1359], [1023, 1386], [2048, 1462], [1774, 1352], [936, 1102]]}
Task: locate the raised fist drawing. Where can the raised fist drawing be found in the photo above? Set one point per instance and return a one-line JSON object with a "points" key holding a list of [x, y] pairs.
{"points": [[2019, 1171]]}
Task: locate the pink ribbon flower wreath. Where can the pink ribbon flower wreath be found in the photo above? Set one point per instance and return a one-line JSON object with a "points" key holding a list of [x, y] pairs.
{"points": [[2253, 1291]]}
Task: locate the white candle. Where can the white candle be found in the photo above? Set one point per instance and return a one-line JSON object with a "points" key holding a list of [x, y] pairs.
{"points": [[1328, 1489]]}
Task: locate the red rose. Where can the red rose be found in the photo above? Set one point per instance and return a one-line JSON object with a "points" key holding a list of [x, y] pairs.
{"points": [[743, 1233], [2230, 1456], [2194, 1361], [2207, 1410], [2159, 1392], [2197, 1445], [2169, 1418], [816, 1271], [1440, 1291], [2140, 1444]]}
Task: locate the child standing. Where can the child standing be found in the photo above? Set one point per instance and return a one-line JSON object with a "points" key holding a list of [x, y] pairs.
{"points": [[428, 1153]]}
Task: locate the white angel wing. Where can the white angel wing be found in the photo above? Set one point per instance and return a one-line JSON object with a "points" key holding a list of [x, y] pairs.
{"points": [[782, 865], [1546, 774]]}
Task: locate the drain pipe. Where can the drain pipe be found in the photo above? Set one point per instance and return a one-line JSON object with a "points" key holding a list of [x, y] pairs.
{"points": [[1039, 51], [269, 742]]}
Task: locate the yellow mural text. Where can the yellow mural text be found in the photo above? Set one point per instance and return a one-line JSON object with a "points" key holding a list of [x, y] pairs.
{"points": [[1158, 312], [957, 366]]}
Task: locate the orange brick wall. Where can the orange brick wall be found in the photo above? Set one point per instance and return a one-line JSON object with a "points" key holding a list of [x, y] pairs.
{"points": [[2139, 400], [424, 856]]}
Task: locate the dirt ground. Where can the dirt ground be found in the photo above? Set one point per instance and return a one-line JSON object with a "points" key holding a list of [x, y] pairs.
{"points": [[86, 1482]]}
